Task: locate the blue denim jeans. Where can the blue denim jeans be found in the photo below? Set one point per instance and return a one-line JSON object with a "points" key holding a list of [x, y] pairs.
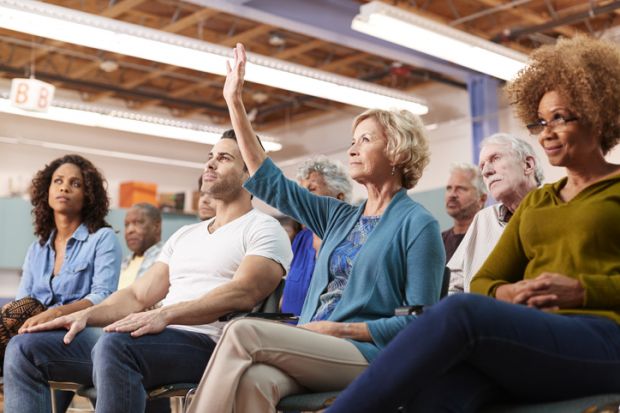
{"points": [[121, 367], [470, 350]]}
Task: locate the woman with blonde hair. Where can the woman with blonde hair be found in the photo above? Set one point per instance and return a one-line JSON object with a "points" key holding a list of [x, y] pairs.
{"points": [[375, 257], [548, 327]]}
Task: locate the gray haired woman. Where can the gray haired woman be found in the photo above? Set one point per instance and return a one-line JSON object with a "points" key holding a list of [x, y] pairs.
{"points": [[324, 177]]}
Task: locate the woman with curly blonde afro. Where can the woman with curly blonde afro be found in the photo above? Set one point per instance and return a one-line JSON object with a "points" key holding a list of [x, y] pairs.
{"points": [[544, 324]]}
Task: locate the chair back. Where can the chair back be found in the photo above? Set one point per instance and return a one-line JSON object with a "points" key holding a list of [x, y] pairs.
{"points": [[445, 283], [271, 304]]}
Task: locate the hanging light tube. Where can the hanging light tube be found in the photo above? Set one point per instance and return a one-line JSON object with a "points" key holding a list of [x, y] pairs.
{"points": [[126, 121], [418, 33], [71, 26]]}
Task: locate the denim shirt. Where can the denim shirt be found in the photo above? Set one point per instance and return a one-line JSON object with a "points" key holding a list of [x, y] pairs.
{"points": [[90, 269]]}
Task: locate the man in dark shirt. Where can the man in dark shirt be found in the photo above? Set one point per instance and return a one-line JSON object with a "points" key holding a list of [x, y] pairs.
{"points": [[465, 196]]}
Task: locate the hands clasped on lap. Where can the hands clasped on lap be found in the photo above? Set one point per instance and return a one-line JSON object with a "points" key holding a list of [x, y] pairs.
{"points": [[549, 291]]}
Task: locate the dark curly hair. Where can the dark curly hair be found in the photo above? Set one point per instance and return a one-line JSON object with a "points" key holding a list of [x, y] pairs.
{"points": [[96, 201], [585, 71]]}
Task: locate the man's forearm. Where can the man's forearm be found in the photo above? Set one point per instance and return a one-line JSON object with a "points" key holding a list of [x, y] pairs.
{"points": [[113, 308], [210, 307]]}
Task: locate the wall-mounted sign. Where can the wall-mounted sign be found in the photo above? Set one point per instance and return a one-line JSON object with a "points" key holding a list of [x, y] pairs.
{"points": [[31, 94]]}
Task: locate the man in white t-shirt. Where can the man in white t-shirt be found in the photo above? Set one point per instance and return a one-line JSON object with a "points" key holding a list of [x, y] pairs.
{"points": [[227, 263]]}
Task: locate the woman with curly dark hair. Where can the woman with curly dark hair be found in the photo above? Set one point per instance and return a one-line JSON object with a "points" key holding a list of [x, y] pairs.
{"points": [[75, 262], [545, 322]]}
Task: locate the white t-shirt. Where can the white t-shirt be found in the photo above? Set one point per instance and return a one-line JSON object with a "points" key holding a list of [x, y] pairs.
{"points": [[199, 261], [479, 240]]}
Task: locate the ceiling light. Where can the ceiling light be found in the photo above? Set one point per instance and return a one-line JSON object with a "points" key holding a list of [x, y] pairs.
{"points": [[126, 121], [415, 32], [102, 152], [108, 66], [72, 26]]}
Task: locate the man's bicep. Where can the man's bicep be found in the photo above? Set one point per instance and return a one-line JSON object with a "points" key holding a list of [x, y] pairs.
{"points": [[153, 286], [259, 275]]}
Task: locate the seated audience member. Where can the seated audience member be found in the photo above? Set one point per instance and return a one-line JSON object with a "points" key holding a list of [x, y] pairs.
{"points": [[385, 253], [205, 210], [465, 196], [548, 326], [205, 270], [322, 177], [510, 170], [143, 238], [75, 262]]}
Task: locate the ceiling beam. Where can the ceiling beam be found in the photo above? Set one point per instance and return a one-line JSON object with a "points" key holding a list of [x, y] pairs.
{"points": [[344, 62], [531, 16], [175, 27], [231, 41], [111, 12], [120, 8], [123, 93], [330, 21], [297, 50], [243, 37], [190, 20]]}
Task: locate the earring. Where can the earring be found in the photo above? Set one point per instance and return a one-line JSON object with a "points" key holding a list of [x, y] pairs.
{"points": [[393, 170]]}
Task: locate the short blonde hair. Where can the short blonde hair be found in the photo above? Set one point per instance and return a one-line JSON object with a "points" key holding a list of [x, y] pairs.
{"points": [[407, 144]]}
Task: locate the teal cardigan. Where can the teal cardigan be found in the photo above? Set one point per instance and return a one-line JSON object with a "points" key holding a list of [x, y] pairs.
{"points": [[401, 263]]}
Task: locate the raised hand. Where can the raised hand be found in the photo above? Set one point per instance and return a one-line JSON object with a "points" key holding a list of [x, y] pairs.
{"points": [[235, 75], [139, 324]]}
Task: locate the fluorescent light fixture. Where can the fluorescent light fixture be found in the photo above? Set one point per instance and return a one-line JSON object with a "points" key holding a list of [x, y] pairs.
{"points": [[103, 152], [134, 122], [71, 26], [415, 32]]}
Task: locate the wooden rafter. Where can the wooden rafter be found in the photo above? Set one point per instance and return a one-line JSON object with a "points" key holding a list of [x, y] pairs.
{"points": [[445, 20], [241, 37], [297, 50], [177, 26], [110, 12], [120, 8], [190, 20], [244, 36], [345, 61], [530, 16]]}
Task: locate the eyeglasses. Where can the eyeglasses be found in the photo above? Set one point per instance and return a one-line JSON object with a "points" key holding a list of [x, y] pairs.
{"points": [[557, 123]]}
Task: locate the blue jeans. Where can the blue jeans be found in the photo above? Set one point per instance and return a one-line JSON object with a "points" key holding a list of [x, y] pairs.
{"points": [[121, 367], [470, 350]]}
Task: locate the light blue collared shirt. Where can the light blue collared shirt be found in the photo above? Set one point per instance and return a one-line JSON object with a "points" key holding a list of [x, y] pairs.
{"points": [[90, 269]]}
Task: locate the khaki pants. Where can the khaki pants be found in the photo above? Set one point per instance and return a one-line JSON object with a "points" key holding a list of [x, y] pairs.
{"points": [[258, 362]]}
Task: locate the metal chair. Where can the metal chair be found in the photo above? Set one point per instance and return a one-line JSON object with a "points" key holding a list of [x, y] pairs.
{"points": [[318, 401], [61, 386], [181, 393]]}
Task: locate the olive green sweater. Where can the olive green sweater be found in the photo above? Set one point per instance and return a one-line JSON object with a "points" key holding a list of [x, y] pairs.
{"points": [[579, 238]]}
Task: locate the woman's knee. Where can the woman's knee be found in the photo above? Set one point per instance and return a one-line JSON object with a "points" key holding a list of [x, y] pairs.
{"points": [[462, 304], [265, 382], [244, 328]]}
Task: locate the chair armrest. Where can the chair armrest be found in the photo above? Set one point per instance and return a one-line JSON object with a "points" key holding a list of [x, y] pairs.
{"points": [[268, 316], [409, 310]]}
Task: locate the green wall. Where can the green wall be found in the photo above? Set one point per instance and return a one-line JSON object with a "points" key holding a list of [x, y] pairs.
{"points": [[16, 232], [16, 224], [433, 200]]}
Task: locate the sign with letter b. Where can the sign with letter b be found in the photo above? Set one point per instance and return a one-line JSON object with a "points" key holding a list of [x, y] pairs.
{"points": [[31, 94]]}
